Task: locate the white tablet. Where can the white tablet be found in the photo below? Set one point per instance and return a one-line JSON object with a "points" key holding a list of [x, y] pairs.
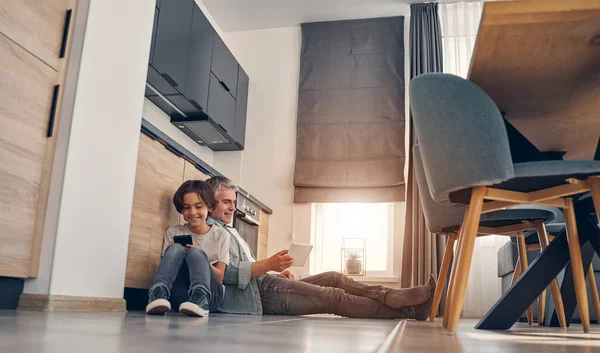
{"points": [[300, 253]]}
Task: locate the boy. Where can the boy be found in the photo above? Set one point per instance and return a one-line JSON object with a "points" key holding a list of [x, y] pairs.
{"points": [[206, 258]]}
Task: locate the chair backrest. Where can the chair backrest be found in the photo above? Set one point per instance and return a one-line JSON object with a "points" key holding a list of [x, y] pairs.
{"points": [[462, 137], [437, 217]]}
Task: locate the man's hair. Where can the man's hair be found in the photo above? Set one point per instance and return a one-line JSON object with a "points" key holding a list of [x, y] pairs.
{"points": [[198, 187], [218, 182]]}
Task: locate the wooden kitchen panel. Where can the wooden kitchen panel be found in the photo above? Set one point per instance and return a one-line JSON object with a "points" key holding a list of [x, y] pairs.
{"points": [[158, 175], [263, 235], [25, 104], [192, 173], [36, 25]]}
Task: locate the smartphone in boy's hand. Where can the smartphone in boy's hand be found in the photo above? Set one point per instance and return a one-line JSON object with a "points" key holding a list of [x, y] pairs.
{"points": [[183, 240]]}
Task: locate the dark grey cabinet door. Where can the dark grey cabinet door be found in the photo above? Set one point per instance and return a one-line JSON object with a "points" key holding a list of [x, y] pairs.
{"points": [[173, 40], [241, 108], [198, 70], [224, 65], [152, 43], [221, 105]]}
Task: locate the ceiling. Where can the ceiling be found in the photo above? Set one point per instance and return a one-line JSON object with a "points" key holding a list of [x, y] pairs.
{"points": [[242, 15]]}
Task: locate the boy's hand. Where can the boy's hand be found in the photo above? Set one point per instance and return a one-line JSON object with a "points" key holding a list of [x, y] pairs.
{"points": [[280, 261], [287, 274], [189, 246]]}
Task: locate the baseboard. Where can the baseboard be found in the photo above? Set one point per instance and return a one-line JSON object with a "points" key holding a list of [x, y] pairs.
{"points": [[47, 302]]}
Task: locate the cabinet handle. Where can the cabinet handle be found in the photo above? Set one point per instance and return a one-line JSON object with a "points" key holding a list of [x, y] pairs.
{"points": [[169, 79], [174, 150], [65, 38], [221, 126], [53, 111], [225, 86]]}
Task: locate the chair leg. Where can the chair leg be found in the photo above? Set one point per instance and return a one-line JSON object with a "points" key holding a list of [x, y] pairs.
{"points": [[523, 260], [439, 289], [577, 266], [517, 271], [554, 287], [594, 183], [594, 291], [541, 308], [452, 280], [467, 245]]}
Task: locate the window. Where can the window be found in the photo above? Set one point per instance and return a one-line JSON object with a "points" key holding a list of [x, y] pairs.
{"points": [[332, 222], [460, 22]]}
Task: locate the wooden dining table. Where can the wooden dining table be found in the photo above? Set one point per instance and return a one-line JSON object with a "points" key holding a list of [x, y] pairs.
{"points": [[539, 60]]}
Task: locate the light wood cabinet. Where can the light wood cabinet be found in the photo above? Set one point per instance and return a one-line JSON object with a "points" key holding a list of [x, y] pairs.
{"points": [[37, 26], [31, 36], [263, 235], [159, 173]]}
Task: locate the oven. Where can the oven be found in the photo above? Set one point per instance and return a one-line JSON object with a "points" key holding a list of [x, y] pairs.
{"points": [[246, 220]]}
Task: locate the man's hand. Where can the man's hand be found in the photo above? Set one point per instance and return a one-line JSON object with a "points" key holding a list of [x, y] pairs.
{"points": [[280, 261], [287, 274]]}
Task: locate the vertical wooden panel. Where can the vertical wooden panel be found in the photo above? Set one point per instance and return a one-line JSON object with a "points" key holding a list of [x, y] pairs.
{"points": [[168, 179], [158, 175], [263, 235], [26, 92]]}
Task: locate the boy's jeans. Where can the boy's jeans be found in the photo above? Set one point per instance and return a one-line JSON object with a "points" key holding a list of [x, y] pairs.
{"points": [[201, 275], [327, 293]]}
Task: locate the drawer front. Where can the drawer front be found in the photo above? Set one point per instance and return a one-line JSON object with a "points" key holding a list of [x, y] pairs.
{"points": [[173, 40], [221, 105], [241, 108], [224, 66]]}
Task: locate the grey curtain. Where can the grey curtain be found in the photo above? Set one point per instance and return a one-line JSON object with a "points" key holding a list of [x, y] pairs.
{"points": [[350, 130], [422, 250]]}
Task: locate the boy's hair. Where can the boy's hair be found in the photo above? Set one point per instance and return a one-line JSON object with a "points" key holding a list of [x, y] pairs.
{"points": [[218, 182], [194, 186]]}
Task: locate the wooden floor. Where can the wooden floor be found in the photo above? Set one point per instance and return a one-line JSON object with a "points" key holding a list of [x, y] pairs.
{"points": [[136, 332], [22, 332], [430, 337]]}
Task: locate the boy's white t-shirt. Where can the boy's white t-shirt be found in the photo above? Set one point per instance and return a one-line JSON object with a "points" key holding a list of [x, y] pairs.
{"points": [[215, 243]]}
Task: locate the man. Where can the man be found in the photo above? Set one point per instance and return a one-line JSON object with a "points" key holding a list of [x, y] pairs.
{"points": [[250, 290]]}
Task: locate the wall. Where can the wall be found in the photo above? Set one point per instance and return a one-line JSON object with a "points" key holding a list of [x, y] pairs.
{"points": [[272, 60]]}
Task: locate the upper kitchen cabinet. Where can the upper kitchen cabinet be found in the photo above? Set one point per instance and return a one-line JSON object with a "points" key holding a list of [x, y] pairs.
{"points": [[173, 41], [224, 66], [198, 70], [241, 107], [195, 79]]}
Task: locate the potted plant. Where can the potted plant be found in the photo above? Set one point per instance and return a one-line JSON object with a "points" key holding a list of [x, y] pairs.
{"points": [[353, 263]]}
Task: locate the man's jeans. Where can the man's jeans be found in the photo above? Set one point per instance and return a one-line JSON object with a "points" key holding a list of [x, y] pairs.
{"points": [[201, 275], [327, 293]]}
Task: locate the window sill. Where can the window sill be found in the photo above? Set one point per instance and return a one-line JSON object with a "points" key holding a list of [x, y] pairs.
{"points": [[369, 279], [376, 279]]}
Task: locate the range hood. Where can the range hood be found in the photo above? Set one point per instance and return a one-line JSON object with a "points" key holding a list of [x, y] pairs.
{"points": [[199, 126]]}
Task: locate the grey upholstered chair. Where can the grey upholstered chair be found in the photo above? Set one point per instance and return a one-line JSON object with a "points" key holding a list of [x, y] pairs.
{"points": [[516, 221], [466, 159]]}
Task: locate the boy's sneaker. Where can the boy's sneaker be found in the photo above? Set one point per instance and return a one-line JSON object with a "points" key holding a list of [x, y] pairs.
{"points": [[158, 302], [197, 305]]}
